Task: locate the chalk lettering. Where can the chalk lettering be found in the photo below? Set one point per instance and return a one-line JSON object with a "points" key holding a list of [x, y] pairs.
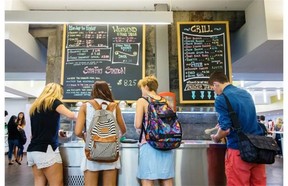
{"points": [[193, 64], [93, 70], [124, 29], [201, 29], [110, 70]]}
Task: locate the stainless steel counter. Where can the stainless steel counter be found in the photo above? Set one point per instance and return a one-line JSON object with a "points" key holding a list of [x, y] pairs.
{"points": [[193, 164]]}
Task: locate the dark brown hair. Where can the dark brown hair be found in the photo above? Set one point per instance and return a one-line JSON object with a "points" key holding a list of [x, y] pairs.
{"points": [[217, 76], [21, 121], [101, 90]]}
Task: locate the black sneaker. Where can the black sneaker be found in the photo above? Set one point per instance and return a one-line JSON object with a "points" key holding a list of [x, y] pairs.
{"points": [[18, 162]]}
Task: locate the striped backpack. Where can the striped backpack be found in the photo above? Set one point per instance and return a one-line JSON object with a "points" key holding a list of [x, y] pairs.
{"points": [[161, 126], [102, 142]]}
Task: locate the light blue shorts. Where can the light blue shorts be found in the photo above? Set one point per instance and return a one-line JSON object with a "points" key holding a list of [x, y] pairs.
{"points": [[155, 164]]}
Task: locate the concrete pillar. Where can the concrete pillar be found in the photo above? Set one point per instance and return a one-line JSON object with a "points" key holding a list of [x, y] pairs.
{"points": [[54, 59], [162, 53]]}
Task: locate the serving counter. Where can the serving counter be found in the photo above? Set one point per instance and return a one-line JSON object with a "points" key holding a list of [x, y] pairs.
{"points": [[197, 162]]}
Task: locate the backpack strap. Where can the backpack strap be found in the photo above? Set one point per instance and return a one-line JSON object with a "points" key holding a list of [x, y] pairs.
{"points": [[143, 120], [142, 128], [112, 106], [95, 104], [149, 100]]}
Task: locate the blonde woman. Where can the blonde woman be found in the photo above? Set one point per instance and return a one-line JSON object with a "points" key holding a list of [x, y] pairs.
{"points": [[43, 153], [279, 135], [153, 164]]}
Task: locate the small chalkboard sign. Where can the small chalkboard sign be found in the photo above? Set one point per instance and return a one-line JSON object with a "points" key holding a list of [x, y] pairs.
{"points": [[203, 47], [113, 53]]}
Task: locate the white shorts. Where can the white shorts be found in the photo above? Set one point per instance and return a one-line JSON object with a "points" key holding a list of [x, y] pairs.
{"points": [[44, 159]]}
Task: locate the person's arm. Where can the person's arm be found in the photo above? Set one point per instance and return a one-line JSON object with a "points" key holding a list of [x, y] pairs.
{"points": [[224, 121], [120, 120], [139, 113], [61, 109], [80, 122], [219, 135]]}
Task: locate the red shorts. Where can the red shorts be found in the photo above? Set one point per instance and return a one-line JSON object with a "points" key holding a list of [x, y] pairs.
{"points": [[239, 172]]}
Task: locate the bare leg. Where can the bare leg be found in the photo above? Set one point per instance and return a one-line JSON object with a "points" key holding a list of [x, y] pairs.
{"points": [[166, 182], [110, 177], [15, 152], [147, 182], [39, 177], [54, 174], [91, 177]]}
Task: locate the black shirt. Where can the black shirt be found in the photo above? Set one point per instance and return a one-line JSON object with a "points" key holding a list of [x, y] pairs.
{"points": [[13, 132], [45, 126]]}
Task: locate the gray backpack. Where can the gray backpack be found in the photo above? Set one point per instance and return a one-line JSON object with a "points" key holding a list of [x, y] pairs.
{"points": [[102, 142]]}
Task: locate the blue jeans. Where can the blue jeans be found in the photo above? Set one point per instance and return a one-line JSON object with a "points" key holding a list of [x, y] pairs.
{"points": [[12, 144], [20, 150]]}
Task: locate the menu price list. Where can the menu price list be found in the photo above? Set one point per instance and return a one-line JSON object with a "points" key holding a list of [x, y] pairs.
{"points": [[102, 52], [203, 49]]}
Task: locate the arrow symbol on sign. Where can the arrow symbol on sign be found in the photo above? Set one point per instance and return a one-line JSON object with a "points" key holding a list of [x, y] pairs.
{"points": [[209, 94], [193, 94], [202, 94]]}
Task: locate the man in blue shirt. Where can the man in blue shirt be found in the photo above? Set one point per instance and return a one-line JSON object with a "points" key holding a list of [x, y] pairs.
{"points": [[238, 172]]}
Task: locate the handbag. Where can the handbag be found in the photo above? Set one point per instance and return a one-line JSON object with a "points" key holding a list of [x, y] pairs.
{"points": [[253, 148]]}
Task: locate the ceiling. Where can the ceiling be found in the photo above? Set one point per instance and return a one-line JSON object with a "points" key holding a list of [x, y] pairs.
{"points": [[262, 64], [141, 5], [22, 62]]}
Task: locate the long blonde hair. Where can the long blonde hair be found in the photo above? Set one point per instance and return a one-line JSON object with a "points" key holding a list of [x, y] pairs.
{"points": [[45, 101]]}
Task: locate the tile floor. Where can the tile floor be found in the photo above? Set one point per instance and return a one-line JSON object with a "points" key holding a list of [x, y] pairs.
{"points": [[21, 175]]}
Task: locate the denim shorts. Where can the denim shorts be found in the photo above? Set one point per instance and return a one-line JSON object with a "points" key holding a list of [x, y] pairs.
{"points": [[155, 164], [44, 159]]}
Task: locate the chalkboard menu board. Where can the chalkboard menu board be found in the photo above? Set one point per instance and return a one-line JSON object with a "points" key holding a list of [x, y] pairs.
{"points": [[113, 53], [203, 47]]}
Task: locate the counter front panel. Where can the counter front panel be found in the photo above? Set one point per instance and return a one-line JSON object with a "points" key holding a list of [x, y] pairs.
{"points": [[197, 162]]}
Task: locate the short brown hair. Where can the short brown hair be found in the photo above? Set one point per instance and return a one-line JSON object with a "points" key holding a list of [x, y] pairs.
{"points": [[217, 76], [150, 81], [101, 90]]}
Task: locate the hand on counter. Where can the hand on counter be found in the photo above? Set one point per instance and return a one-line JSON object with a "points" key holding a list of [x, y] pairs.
{"points": [[62, 133], [65, 134], [220, 134], [214, 138]]}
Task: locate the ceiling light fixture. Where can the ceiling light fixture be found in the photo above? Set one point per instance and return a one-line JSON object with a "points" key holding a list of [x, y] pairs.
{"points": [[31, 83], [264, 96], [278, 94], [242, 83], [252, 94], [89, 17]]}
